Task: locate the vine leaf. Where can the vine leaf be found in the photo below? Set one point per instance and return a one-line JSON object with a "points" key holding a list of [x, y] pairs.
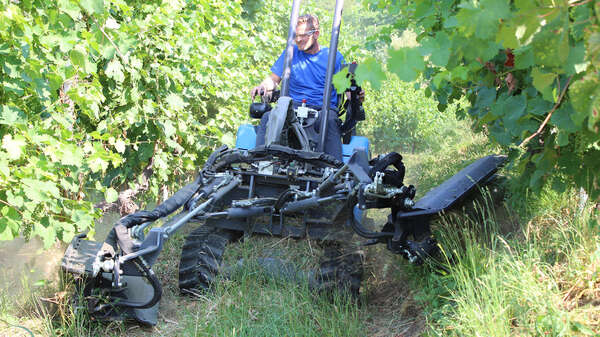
{"points": [[70, 8], [407, 63], [524, 58], [594, 48], [175, 102], [111, 195], [542, 82], [507, 35], [47, 233], [370, 70], [13, 146], [482, 21], [340, 80], [583, 92], [114, 70], [10, 115], [561, 118], [9, 223], [438, 47], [93, 6]]}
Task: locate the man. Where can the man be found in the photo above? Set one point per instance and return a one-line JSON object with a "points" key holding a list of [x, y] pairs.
{"points": [[307, 81]]}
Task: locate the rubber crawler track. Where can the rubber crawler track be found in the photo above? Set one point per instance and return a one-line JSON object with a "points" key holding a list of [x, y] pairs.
{"points": [[201, 257], [342, 271]]}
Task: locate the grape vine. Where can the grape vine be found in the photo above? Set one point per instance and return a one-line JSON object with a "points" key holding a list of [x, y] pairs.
{"points": [[528, 68], [101, 96]]}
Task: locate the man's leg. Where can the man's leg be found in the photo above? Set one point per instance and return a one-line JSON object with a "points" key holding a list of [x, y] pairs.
{"points": [[262, 129], [333, 138]]}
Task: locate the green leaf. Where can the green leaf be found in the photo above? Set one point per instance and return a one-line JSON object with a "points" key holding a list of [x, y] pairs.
{"points": [[525, 5], [561, 118], [370, 71], [485, 97], [593, 48], [563, 138], [175, 102], [77, 58], [543, 83], [575, 63], [70, 8], [538, 106], [482, 19], [46, 233], [510, 107], [341, 81], [9, 223], [440, 77], [551, 45], [13, 146], [228, 139], [114, 70], [535, 181], [439, 47], [500, 135], [110, 195], [507, 36], [120, 145], [16, 201], [68, 231], [169, 128], [407, 63], [460, 72], [82, 219], [11, 115], [4, 167], [582, 93], [451, 22], [594, 114], [93, 6]]}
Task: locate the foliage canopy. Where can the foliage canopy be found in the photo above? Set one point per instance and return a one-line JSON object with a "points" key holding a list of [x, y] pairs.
{"points": [[528, 68], [95, 91]]}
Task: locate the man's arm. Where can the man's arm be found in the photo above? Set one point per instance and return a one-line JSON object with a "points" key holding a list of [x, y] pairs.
{"points": [[267, 85]]}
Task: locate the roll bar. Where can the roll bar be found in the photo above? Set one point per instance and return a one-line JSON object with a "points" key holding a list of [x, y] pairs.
{"points": [[333, 45], [289, 49]]}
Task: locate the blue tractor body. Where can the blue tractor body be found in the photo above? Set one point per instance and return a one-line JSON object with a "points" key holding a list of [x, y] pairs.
{"points": [[246, 140]]}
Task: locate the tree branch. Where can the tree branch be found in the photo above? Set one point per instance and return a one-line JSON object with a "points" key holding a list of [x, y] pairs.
{"points": [[108, 37], [558, 101]]}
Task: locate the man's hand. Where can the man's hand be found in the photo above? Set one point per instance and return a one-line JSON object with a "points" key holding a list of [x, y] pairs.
{"points": [[361, 95], [258, 90], [267, 85]]}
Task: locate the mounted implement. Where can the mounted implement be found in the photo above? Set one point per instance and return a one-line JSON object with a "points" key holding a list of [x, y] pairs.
{"points": [[287, 187]]}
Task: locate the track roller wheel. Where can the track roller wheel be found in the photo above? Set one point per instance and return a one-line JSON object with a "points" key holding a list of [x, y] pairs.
{"points": [[201, 257], [341, 269]]}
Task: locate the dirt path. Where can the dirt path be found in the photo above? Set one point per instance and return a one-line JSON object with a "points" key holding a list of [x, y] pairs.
{"points": [[390, 303]]}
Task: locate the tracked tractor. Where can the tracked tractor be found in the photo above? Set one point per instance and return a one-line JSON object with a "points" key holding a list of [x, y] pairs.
{"points": [[287, 187]]}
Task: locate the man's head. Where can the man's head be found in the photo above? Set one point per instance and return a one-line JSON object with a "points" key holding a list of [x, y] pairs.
{"points": [[307, 33]]}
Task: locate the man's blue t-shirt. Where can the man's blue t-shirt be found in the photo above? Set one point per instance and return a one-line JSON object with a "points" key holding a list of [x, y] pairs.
{"points": [[307, 75]]}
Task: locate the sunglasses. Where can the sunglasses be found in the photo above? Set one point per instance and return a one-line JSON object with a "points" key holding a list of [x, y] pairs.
{"points": [[309, 33]]}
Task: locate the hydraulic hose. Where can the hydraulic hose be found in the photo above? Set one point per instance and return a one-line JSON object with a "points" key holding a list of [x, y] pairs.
{"points": [[365, 233]]}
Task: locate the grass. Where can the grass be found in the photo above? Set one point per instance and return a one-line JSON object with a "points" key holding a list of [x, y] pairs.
{"points": [[524, 266], [530, 271]]}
